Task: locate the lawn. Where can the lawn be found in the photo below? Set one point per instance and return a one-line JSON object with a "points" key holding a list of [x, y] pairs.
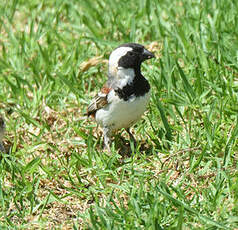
{"points": [[184, 172]]}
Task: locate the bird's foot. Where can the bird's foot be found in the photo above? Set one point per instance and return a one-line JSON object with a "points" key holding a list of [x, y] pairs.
{"points": [[107, 139], [132, 138]]}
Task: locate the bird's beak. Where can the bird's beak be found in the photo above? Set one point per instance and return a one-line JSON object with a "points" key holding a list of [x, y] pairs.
{"points": [[147, 55]]}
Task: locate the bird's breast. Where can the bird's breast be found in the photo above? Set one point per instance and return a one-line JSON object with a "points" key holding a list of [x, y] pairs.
{"points": [[120, 113]]}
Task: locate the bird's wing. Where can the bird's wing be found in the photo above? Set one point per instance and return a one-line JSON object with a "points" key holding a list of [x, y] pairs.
{"points": [[99, 101]]}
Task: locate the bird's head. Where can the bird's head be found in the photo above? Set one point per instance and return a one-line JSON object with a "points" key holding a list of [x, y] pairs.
{"points": [[128, 56]]}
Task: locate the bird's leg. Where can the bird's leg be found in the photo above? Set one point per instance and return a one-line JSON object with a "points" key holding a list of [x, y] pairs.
{"points": [[131, 136], [107, 138], [2, 149], [2, 130]]}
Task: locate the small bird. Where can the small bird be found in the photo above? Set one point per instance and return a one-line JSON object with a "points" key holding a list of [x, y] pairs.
{"points": [[123, 99], [2, 131]]}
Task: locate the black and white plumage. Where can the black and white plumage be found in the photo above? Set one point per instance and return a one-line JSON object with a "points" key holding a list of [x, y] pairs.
{"points": [[123, 99], [2, 131]]}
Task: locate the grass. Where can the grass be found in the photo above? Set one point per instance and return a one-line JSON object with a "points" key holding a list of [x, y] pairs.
{"points": [[56, 175]]}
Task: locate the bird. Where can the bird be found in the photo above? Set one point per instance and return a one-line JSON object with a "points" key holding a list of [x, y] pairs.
{"points": [[124, 97], [2, 131]]}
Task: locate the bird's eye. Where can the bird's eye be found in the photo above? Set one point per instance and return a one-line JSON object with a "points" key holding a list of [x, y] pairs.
{"points": [[131, 54]]}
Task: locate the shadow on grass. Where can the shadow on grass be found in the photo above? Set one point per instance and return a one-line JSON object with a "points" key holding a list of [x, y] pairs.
{"points": [[125, 147]]}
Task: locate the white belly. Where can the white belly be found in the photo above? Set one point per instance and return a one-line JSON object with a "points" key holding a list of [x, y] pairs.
{"points": [[122, 114]]}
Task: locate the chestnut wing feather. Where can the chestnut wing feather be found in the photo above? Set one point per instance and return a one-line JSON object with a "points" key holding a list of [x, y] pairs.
{"points": [[99, 101]]}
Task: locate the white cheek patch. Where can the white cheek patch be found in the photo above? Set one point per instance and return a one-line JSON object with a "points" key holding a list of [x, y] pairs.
{"points": [[126, 76], [114, 58]]}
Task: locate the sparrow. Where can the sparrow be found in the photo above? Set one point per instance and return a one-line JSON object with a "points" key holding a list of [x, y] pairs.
{"points": [[123, 99], [2, 131]]}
